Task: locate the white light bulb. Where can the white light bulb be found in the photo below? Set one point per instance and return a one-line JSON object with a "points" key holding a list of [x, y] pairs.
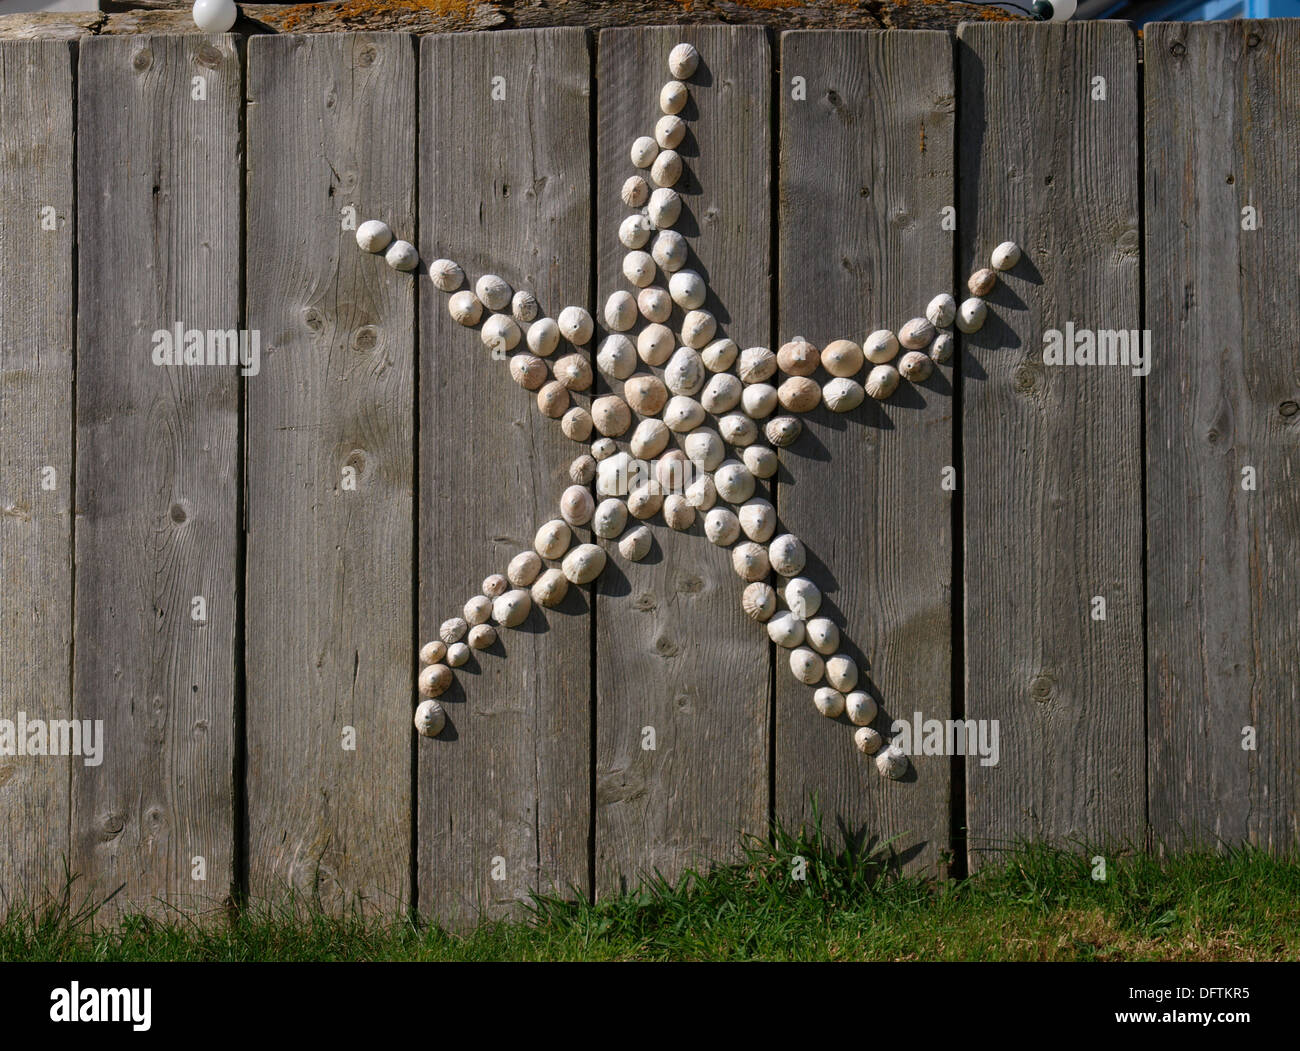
{"points": [[215, 16]]}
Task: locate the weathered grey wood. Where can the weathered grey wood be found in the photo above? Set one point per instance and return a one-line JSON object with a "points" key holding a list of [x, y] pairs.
{"points": [[866, 170], [1052, 454], [50, 25], [158, 203], [674, 651], [504, 189], [329, 651], [36, 347], [1223, 133]]}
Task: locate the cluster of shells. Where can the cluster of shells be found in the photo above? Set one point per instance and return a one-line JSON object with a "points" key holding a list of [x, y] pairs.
{"points": [[753, 397]]}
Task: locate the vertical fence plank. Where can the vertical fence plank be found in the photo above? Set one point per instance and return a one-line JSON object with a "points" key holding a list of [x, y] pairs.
{"points": [[1052, 453], [866, 171], [504, 189], [1223, 135], [36, 312], [331, 127], [158, 208], [674, 651]]}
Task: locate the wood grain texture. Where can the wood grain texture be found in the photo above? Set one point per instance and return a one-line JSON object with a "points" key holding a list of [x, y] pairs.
{"points": [[1223, 133], [1052, 453], [158, 202], [36, 360], [331, 125], [504, 189], [674, 650], [866, 171], [50, 25]]}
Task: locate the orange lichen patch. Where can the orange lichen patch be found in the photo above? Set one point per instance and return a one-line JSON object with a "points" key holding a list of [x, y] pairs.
{"points": [[360, 10]]}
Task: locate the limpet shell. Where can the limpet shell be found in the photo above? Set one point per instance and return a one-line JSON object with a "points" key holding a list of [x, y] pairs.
{"points": [[720, 355], [610, 518], [971, 315], [635, 545], [785, 629], [843, 395], [802, 597], [481, 636], [678, 513], [577, 505], [616, 356], [457, 654], [672, 97], [892, 762], [684, 373], [704, 448], [655, 305], [646, 394], [670, 130], [511, 609], [702, 494], [759, 400], [807, 666], [584, 563], [650, 438], [683, 414], [672, 470], [634, 232], [523, 569], [665, 208], [882, 381], [446, 275], [574, 371], [374, 235], [758, 520], [635, 192], [866, 740], [842, 358], [829, 702], [401, 255], [528, 371], [434, 680], [1005, 256], [798, 358], [799, 394], [452, 630], [552, 539], [645, 500], [942, 347], [916, 334], [761, 461], [698, 328], [915, 366], [553, 399], [749, 560], [722, 527], [787, 554], [465, 308], [757, 364], [500, 333], [613, 473], [523, 307], [758, 601], [738, 430], [861, 708], [667, 168], [433, 652], [477, 610], [582, 470], [688, 289], [603, 448], [982, 281], [610, 415], [941, 311], [721, 393], [543, 337], [683, 61], [842, 672], [644, 150], [669, 251], [549, 589], [881, 346], [493, 292], [576, 424], [494, 585], [639, 268], [734, 483], [823, 635], [430, 718], [782, 431], [576, 325]]}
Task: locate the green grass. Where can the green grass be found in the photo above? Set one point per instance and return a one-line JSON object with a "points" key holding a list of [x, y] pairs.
{"points": [[1037, 903]]}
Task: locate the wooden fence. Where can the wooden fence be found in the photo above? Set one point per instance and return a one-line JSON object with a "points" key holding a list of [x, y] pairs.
{"points": [[1114, 579]]}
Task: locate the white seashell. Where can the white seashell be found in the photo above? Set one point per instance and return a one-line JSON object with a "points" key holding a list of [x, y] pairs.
{"points": [[644, 150], [616, 357], [481, 636], [916, 334], [620, 311], [802, 597], [576, 325], [942, 310], [552, 539], [493, 292], [759, 400], [758, 601], [511, 609], [584, 563], [636, 544], [639, 268], [610, 415], [610, 518], [465, 308], [807, 666], [785, 629], [734, 482], [942, 347], [457, 654], [446, 275], [645, 394], [495, 585], [698, 328], [798, 358], [576, 424], [634, 232], [635, 192], [667, 168], [787, 554], [738, 430], [842, 672], [761, 461], [881, 346], [434, 680], [982, 281], [645, 500], [749, 560], [866, 740], [523, 569], [553, 399], [672, 470], [823, 635], [523, 307], [720, 355], [882, 381], [915, 366], [528, 371], [1005, 256], [670, 130], [665, 208], [577, 505], [687, 289], [829, 702], [892, 762], [861, 708], [704, 448], [669, 251], [401, 255], [971, 315], [433, 652], [543, 337], [550, 588], [799, 394], [672, 97], [842, 358], [603, 448], [430, 719], [655, 305], [683, 414], [477, 610], [758, 520], [574, 371], [583, 469], [701, 493], [649, 439], [757, 365], [678, 513], [374, 235], [721, 393], [683, 60], [684, 373], [782, 431], [500, 333], [613, 474], [452, 630], [843, 395], [722, 527]]}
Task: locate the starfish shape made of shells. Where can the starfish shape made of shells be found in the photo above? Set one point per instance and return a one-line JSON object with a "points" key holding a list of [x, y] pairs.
{"points": [[754, 396]]}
